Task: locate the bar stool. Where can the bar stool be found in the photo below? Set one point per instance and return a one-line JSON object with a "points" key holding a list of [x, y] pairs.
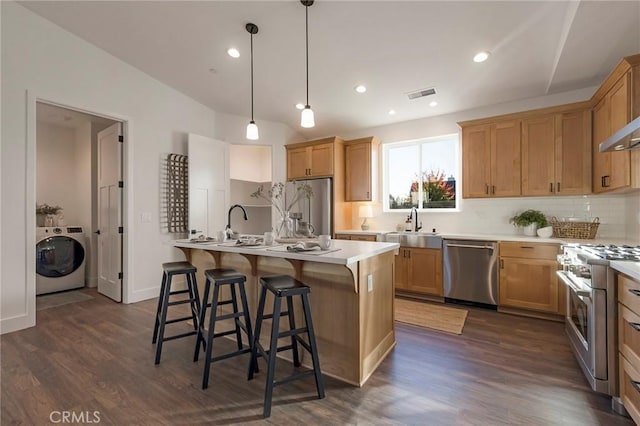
{"points": [[169, 269], [284, 286], [221, 277]]}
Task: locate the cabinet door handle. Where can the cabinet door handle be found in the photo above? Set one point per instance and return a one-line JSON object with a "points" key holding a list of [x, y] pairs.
{"points": [[368, 196], [550, 186], [501, 263], [636, 385], [634, 292], [605, 181], [527, 247], [557, 186], [493, 189], [635, 326], [486, 188]]}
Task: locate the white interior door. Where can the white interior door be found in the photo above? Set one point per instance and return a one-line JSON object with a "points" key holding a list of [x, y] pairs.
{"points": [[109, 247], [208, 184]]}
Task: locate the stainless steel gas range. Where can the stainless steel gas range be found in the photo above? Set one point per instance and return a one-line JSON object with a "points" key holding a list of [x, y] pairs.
{"points": [[591, 319]]}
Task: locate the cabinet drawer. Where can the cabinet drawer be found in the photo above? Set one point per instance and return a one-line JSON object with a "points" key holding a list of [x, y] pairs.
{"points": [[529, 250], [629, 394], [363, 238], [627, 289], [629, 335], [343, 237]]}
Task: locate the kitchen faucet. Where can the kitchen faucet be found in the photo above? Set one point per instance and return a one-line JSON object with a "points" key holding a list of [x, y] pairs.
{"points": [[416, 227], [228, 229]]}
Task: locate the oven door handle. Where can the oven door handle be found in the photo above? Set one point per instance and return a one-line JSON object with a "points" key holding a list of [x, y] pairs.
{"points": [[572, 286]]}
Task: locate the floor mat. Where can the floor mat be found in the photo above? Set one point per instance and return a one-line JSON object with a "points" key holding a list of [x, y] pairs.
{"points": [[437, 317]]}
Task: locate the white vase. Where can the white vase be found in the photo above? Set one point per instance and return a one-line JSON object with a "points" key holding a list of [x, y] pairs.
{"points": [[530, 230]]}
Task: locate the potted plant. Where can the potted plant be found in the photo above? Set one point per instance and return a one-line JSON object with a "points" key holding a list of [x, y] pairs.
{"points": [[46, 214], [530, 220]]}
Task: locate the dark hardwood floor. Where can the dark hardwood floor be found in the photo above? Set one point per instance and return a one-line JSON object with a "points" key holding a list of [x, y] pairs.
{"points": [[97, 356]]}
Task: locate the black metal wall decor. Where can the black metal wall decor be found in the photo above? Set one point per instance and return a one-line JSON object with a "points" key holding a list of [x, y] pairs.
{"points": [[177, 193]]}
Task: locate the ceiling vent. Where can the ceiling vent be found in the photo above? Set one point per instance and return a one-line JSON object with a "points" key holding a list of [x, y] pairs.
{"points": [[422, 93]]}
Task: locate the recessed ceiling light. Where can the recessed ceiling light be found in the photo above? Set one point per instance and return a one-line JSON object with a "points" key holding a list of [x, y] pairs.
{"points": [[392, 112], [481, 57], [233, 52], [433, 103], [360, 88], [300, 106]]}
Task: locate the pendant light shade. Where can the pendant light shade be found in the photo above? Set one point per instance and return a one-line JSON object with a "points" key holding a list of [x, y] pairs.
{"points": [[252, 131], [306, 118], [252, 128]]}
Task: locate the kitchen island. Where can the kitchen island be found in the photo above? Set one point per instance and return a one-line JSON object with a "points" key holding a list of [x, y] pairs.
{"points": [[352, 293]]}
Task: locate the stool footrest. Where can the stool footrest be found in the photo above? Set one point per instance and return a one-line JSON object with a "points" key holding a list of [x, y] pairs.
{"points": [[171, 321], [171, 293], [293, 377], [177, 336], [231, 354], [229, 316], [223, 302], [294, 332], [270, 316], [179, 302]]}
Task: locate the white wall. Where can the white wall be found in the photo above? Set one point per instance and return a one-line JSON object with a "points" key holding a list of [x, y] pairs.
{"points": [[250, 162], [41, 60], [492, 215]]}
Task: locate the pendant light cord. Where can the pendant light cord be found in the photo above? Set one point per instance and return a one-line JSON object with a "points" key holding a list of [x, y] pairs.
{"points": [[306, 13], [251, 76]]}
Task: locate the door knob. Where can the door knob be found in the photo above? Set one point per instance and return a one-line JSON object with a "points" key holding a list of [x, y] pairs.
{"points": [[97, 232]]}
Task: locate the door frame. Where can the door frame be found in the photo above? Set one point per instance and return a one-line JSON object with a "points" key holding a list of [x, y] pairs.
{"points": [[30, 194]]}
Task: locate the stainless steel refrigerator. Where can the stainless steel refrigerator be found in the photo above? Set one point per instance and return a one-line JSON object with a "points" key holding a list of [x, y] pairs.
{"points": [[316, 210]]}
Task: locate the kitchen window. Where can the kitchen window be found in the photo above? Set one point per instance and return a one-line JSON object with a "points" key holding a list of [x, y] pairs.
{"points": [[421, 173]]}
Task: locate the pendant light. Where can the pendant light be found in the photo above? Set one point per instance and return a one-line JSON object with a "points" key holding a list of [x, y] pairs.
{"points": [[252, 128], [306, 118]]}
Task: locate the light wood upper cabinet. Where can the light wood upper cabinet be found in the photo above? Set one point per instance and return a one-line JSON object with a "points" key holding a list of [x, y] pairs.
{"points": [[310, 160], [491, 159], [611, 169], [555, 154], [361, 164]]}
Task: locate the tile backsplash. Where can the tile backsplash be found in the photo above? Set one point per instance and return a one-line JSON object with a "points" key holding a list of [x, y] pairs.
{"points": [[618, 214]]}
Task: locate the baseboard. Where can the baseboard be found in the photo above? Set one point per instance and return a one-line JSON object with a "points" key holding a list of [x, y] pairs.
{"points": [[9, 325]]}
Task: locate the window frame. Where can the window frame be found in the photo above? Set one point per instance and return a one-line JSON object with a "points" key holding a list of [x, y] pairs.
{"points": [[419, 142]]}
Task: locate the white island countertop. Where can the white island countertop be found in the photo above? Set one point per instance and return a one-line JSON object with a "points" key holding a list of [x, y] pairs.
{"points": [[342, 252]]}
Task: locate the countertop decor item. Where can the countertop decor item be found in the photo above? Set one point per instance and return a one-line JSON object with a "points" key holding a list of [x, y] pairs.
{"points": [[575, 229], [530, 220], [47, 215], [365, 212], [545, 232], [276, 196]]}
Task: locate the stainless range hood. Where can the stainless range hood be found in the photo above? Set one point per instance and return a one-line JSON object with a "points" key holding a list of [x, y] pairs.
{"points": [[626, 138]]}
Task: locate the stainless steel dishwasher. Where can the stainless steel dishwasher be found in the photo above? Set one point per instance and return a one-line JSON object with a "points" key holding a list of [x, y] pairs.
{"points": [[471, 272]]}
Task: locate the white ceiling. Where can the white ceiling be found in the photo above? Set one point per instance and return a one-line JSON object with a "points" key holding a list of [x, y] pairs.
{"points": [[393, 47]]}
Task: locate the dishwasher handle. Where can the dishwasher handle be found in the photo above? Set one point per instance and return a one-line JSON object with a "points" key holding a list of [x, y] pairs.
{"points": [[471, 246]]}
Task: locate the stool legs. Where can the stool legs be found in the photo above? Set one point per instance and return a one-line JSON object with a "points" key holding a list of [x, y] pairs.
{"points": [[281, 289], [218, 278], [163, 308]]}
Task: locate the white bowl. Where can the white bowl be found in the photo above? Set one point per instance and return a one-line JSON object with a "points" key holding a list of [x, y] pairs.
{"points": [[545, 232]]}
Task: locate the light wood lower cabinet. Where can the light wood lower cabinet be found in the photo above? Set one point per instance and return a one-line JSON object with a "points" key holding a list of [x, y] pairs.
{"points": [[629, 344], [419, 270], [356, 237], [528, 277]]}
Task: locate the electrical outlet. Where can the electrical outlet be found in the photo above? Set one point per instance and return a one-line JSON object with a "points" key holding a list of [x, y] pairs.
{"points": [[369, 282]]}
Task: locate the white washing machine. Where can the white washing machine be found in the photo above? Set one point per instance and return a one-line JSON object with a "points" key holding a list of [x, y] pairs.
{"points": [[60, 258]]}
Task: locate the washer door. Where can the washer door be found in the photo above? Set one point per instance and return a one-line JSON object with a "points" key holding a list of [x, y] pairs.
{"points": [[58, 256]]}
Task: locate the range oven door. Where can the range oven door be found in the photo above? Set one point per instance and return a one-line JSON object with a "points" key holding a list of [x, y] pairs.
{"points": [[585, 325]]}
